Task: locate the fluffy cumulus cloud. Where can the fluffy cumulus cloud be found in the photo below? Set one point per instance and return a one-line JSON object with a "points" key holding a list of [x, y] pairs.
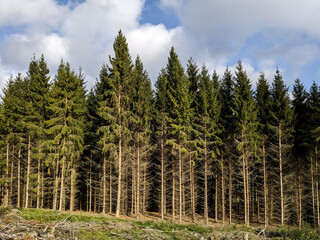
{"points": [[287, 31], [152, 44], [264, 34]]}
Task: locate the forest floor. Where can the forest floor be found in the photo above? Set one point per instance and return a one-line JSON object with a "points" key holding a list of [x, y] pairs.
{"points": [[39, 224]]}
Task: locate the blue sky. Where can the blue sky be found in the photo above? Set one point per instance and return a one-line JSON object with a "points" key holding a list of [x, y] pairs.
{"points": [[263, 34]]}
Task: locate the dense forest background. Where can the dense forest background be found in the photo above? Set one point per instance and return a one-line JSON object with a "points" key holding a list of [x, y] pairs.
{"points": [[199, 147]]}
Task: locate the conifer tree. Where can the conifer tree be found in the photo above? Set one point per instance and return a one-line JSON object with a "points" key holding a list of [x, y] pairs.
{"points": [[313, 103], [38, 89], [263, 99], [281, 122], [227, 123], [13, 110], [103, 96], [179, 115], [118, 112], [141, 111], [161, 118], [300, 142], [193, 77], [65, 126], [246, 122], [208, 115]]}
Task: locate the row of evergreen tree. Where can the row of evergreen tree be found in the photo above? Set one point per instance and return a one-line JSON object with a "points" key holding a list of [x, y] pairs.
{"points": [[198, 146]]}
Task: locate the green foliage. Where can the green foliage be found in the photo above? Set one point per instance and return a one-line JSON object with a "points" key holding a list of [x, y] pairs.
{"points": [[113, 95], [178, 102], [67, 110], [263, 99], [281, 111], [208, 114], [245, 113], [141, 104]]}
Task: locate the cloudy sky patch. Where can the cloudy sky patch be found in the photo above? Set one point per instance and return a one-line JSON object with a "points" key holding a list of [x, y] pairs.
{"points": [[264, 34]]}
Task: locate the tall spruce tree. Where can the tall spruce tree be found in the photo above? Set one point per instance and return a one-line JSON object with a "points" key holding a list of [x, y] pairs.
{"points": [[13, 109], [38, 89], [118, 111], [193, 77], [227, 123], [263, 99], [161, 119], [179, 115], [141, 112], [208, 115], [65, 126], [313, 103], [246, 120], [103, 97], [281, 125]]}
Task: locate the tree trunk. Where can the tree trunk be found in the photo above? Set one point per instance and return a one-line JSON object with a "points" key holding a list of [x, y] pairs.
{"points": [[180, 185], [19, 179], [317, 186], [6, 185], [11, 177], [173, 189], [73, 188], [281, 178], [248, 190], [104, 178], [144, 189], [95, 194], [90, 186], [28, 172], [230, 191], [39, 180], [138, 181], [244, 184], [299, 197], [162, 176], [205, 179], [61, 205], [223, 190], [133, 191], [192, 188], [110, 186], [42, 189], [119, 162], [56, 186], [216, 196], [265, 187], [312, 191]]}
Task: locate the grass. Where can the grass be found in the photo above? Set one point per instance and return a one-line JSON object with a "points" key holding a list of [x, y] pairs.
{"points": [[108, 227]]}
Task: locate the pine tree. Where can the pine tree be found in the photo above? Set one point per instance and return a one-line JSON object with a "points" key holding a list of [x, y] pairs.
{"points": [[246, 119], [281, 122]]}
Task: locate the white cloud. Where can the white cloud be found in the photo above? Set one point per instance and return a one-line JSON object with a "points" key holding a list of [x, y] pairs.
{"points": [[4, 75], [36, 15], [281, 30], [214, 32], [152, 44]]}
